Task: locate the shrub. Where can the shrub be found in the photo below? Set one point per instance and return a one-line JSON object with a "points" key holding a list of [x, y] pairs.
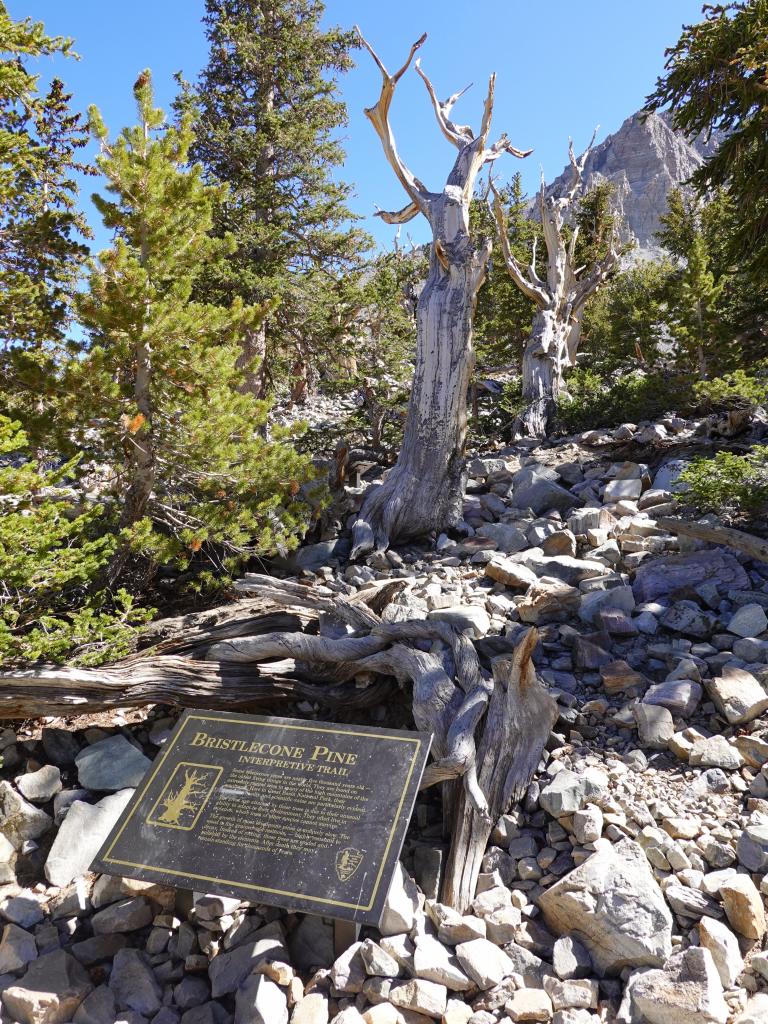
{"points": [[51, 556], [734, 486], [737, 388], [592, 401]]}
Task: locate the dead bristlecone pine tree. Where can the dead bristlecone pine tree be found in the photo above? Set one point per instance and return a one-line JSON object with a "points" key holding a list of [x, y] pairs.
{"points": [[424, 490], [560, 298]]}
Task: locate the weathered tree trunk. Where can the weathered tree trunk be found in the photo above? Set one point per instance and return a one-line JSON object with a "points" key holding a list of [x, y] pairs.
{"points": [[540, 374], [556, 330], [252, 360], [424, 490], [518, 722]]}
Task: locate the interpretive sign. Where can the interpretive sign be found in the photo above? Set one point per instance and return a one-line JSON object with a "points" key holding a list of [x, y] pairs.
{"points": [[309, 816]]}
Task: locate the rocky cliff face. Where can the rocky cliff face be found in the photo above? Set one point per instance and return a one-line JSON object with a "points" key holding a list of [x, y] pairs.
{"points": [[645, 159]]}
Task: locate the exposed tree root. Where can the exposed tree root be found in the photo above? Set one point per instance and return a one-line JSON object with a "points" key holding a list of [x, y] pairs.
{"points": [[488, 733]]}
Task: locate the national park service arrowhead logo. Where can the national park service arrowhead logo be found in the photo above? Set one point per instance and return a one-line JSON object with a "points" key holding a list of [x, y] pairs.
{"points": [[348, 861]]}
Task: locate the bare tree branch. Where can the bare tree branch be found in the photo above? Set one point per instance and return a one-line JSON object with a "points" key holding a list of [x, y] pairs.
{"points": [[399, 216], [378, 115], [457, 135], [528, 283], [578, 165]]}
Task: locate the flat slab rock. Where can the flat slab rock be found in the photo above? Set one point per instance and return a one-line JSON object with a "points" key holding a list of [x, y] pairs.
{"points": [[739, 697], [663, 576], [612, 903], [111, 764]]}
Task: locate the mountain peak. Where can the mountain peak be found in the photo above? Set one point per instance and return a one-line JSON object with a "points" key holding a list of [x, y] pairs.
{"points": [[644, 160]]}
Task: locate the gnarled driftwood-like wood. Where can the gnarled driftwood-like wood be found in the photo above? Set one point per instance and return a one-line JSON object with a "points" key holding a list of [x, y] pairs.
{"points": [[519, 719], [488, 733]]}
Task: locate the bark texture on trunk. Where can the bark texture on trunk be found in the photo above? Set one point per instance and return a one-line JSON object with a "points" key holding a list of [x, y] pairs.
{"points": [[253, 350], [560, 297], [141, 455], [423, 492], [517, 725]]}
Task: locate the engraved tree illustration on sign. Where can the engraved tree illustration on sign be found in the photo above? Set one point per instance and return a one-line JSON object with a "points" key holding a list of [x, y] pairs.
{"points": [[184, 800]]}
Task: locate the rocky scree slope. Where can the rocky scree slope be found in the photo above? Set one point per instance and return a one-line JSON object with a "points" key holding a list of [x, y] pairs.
{"points": [[628, 886]]}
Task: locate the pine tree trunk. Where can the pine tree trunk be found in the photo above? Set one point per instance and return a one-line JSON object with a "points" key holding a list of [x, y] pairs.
{"points": [[141, 457], [252, 360], [424, 490]]}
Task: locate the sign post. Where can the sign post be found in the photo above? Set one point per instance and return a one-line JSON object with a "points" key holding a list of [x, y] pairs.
{"points": [[309, 816]]}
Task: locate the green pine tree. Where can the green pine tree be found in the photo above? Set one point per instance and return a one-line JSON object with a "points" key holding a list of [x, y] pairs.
{"points": [[696, 290], [53, 550], [159, 399], [696, 314], [626, 322], [503, 317], [266, 116], [40, 251], [596, 223], [715, 80]]}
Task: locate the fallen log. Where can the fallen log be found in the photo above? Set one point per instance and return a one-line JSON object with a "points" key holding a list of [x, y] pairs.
{"points": [[747, 543], [167, 679]]}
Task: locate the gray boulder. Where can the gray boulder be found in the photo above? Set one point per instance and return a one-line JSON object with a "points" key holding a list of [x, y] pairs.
{"points": [[568, 792], [40, 786], [111, 764], [20, 820], [534, 487], [612, 903], [687, 991], [81, 835], [133, 982], [752, 847], [660, 577], [507, 537]]}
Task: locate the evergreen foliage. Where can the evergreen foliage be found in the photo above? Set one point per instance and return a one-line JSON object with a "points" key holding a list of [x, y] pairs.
{"points": [[40, 251], [53, 552], [159, 392], [593, 400], [266, 115], [627, 321], [504, 315], [738, 388], [596, 224], [715, 80], [386, 324], [733, 486]]}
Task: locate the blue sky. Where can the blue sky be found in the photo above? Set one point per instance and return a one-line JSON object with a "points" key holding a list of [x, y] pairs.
{"points": [[562, 67]]}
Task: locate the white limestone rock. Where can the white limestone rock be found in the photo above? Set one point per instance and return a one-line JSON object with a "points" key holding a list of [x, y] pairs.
{"points": [[612, 903], [686, 991], [485, 963], [738, 695], [724, 947], [50, 991], [402, 904]]}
